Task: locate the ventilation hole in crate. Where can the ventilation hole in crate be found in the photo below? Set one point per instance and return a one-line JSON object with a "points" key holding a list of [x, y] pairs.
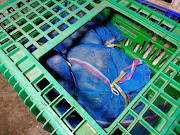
{"points": [[11, 48], [41, 9], [16, 35], [27, 1], [15, 16], [163, 61], [21, 22], [89, 7], [42, 41], [149, 32], [150, 116], [9, 10], [173, 47], [130, 43], [48, 15], [81, 2], [142, 14], [164, 106], [176, 130], [136, 130], [10, 29], [53, 34], [72, 8], [35, 4], [166, 45], [97, 1], [154, 37], [148, 49], [38, 21], [65, 3], [139, 107], [45, 27], [25, 10], [144, 4], [28, 28], [31, 48], [158, 57], [151, 7], [169, 71], [132, 8], [81, 14], [50, 4], [43, 83], [160, 83], [52, 94], [34, 34], [177, 61], [136, 46], [55, 20], [153, 52], [165, 27], [57, 9], [174, 17], [1, 32], [150, 94], [126, 42], [127, 120], [19, 5], [63, 106], [74, 119], [63, 27], [64, 14], [177, 77], [153, 20], [1, 16], [24, 41], [161, 39], [142, 46], [72, 20], [4, 23], [117, 132], [31, 16], [4, 41]]}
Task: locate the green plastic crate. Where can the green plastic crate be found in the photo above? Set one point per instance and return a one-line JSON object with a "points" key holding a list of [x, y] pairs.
{"points": [[146, 40]]}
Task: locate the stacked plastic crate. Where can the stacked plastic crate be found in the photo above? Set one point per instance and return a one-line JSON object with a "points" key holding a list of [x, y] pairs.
{"points": [[169, 8], [150, 37]]}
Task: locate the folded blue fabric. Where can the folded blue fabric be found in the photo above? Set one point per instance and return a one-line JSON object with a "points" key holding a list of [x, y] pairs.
{"points": [[95, 68]]}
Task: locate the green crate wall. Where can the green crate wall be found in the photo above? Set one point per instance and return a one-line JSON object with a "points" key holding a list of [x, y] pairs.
{"points": [[147, 39]]}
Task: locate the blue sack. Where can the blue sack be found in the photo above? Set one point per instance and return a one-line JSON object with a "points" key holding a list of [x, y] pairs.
{"points": [[59, 69], [104, 78]]}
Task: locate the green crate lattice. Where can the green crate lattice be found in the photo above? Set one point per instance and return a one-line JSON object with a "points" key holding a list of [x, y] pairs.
{"points": [[25, 73]]}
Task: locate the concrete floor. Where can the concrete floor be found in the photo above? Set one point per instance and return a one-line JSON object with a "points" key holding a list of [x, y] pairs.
{"points": [[15, 118]]}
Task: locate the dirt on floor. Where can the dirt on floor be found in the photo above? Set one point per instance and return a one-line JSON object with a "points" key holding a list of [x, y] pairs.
{"points": [[15, 118]]}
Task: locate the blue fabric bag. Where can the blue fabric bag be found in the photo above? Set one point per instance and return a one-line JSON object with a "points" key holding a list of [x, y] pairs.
{"points": [[59, 69], [104, 78]]}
